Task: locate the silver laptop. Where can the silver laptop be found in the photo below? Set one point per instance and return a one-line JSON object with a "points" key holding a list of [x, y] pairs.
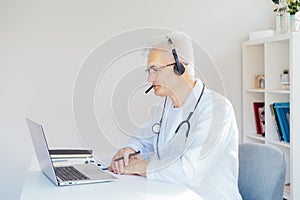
{"points": [[63, 175]]}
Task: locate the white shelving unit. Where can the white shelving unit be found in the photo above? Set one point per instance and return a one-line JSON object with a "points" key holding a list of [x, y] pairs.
{"points": [[270, 56]]}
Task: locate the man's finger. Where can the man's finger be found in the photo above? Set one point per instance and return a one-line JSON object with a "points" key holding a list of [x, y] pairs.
{"points": [[116, 169], [126, 158], [121, 166]]}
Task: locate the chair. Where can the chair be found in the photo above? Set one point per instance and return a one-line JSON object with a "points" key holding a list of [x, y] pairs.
{"points": [[262, 171]]}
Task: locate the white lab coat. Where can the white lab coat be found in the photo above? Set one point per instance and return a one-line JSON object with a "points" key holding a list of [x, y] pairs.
{"points": [[206, 160]]}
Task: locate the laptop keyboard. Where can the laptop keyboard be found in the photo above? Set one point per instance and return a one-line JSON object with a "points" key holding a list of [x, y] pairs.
{"points": [[69, 174]]}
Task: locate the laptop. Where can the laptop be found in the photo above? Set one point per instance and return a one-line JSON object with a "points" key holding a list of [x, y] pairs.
{"points": [[63, 175]]}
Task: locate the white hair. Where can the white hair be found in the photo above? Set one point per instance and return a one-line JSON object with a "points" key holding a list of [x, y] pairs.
{"points": [[181, 42]]}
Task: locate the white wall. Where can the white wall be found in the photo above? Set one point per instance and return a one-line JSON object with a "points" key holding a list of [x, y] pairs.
{"points": [[44, 43]]}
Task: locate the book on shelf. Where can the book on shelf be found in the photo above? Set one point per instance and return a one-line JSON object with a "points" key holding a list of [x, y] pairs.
{"points": [[282, 109], [70, 153], [259, 116], [276, 122]]}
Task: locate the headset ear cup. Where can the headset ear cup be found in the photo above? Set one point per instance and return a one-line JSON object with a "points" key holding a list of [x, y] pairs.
{"points": [[179, 69]]}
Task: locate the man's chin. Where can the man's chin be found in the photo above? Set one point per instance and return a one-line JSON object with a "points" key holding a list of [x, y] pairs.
{"points": [[159, 93]]}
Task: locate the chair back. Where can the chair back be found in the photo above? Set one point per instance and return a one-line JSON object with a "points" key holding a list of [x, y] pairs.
{"points": [[262, 171]]}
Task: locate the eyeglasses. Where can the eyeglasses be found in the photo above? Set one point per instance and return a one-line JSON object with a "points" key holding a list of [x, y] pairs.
{"points": [[153, 69]]}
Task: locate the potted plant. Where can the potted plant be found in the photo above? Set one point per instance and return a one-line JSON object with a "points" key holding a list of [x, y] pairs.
{"points": [[293, 8], [294, 5]]}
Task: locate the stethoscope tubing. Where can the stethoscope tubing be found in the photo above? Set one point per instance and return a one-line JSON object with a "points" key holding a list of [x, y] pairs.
{"points": [[156, 127]]}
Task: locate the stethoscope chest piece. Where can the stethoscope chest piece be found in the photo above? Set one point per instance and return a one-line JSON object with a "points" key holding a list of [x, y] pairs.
{"points": [[156, 128]]}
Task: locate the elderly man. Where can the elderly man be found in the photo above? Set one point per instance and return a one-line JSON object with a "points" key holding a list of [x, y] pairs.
{"points": [[192, 138]]}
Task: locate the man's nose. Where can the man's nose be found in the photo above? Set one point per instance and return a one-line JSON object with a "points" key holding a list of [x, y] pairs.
{"points": [[151, 78]]}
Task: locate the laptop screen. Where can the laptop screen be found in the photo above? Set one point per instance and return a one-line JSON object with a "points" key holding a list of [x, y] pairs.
{"points": [[41, 149]]}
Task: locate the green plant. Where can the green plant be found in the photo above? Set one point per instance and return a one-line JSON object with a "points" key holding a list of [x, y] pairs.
{"points": [[294, 5]]}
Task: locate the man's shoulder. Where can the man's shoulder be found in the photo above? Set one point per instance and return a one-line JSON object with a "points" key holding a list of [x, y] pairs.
{"points": [[214, 102], [217, 98]]}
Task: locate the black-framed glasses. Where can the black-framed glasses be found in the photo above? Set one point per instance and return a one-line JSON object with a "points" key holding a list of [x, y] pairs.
{"points": [[153, 69]]}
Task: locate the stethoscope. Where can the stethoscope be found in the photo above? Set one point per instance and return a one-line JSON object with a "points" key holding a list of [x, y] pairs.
{"points": [[156, 127]]}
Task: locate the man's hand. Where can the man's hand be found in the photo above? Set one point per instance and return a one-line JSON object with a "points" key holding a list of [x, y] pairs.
{"points": [[136, 166], [118, 166]]}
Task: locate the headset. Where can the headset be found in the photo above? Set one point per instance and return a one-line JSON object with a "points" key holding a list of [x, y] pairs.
{"points": [[178, 69]]}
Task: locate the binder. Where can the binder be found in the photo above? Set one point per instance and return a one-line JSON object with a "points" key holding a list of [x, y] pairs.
{"points": [[259, 117], [71, 153], [282, 109]]}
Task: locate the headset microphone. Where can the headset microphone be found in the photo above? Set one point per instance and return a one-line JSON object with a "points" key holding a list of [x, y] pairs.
{"points": [[148, 90]]}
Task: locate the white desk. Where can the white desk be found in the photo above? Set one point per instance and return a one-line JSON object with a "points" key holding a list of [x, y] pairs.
{"points": [[38, 186]]}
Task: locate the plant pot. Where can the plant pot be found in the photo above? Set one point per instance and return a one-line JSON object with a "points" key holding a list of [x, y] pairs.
{"points": [[294, 23]]}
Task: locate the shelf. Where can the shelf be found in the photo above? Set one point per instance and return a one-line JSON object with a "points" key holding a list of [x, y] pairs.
{"points": [[280, 143], [269, 56], [276, 38], [256, 137], [278, 91], [256, 90], [269, 91]]}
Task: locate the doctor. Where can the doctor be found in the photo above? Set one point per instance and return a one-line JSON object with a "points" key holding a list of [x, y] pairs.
{"points": [[192, 138]]}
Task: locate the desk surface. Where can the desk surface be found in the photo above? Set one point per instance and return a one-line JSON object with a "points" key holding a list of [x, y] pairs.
{"points": [[38, 186]]}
